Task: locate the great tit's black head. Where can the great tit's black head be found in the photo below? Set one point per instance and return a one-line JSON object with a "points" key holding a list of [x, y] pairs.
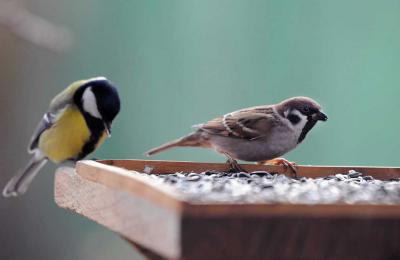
{"points": [[98, 98]]}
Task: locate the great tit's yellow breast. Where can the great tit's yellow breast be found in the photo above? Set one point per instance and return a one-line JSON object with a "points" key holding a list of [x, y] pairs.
{"points": [[66, 138]]}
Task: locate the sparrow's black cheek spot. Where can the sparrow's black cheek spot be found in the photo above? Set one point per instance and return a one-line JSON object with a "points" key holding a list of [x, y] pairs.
{"points": [[294, 119]]}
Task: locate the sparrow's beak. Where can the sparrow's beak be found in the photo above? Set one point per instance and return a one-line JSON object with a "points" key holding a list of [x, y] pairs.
{"points": [[107, 127], [319, 116]]}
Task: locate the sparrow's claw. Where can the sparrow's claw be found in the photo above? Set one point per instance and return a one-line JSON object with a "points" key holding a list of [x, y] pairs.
{"points": [[282, 161], [234, 165]]}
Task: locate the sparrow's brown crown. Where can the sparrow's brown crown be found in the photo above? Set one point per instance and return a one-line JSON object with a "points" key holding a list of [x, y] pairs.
{"points": [[304, 105]]}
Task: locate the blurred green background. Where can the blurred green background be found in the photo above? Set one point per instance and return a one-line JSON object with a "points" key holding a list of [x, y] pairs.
{"points": [[178, 63]]}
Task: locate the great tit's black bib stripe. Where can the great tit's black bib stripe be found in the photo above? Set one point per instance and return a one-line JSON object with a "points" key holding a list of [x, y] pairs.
{"points": [[96, 127]]}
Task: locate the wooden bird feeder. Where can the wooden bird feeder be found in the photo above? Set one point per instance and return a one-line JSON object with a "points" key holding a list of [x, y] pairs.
{"points": [[156, 220]]}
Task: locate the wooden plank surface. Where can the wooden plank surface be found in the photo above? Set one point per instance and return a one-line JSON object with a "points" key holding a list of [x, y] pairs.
{"points": [[290, 238], [111, 174], [132, 217], [154, 217], [121, 179]]}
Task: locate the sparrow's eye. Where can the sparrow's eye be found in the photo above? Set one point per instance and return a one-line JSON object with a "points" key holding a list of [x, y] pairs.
{"points": [[306, 109]]}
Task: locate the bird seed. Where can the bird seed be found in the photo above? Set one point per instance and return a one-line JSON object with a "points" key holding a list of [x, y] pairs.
{"points": [[264, 187]]}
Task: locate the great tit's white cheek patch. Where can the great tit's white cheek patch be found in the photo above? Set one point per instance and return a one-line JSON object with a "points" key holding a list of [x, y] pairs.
{"points": [[89, 103]]}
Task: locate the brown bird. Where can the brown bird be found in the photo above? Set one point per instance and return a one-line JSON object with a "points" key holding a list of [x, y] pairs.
{"points": [[255, 134]]}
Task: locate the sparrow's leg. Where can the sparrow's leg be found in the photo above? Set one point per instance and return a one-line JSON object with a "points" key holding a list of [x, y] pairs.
{"points": [[284, 162], [234, 165]]}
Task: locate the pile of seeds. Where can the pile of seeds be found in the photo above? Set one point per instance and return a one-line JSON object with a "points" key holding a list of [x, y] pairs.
{"points": [[264, 187]]}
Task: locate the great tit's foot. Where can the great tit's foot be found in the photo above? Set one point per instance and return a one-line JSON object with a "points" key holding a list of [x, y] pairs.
{"points": [[282, 161]]}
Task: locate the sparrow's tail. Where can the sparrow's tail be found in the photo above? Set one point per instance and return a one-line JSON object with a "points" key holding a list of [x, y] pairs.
{"points": [[20, 182], [193, 139]]}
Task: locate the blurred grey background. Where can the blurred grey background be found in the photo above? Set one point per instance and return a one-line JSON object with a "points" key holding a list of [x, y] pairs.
{"points": [[178, 63]]}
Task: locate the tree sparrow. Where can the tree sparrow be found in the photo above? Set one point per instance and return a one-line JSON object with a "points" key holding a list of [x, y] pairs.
{"points": [[255, 134]]}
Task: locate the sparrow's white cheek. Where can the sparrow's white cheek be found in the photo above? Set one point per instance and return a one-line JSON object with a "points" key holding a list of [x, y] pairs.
{"points": [[89, 103], [303, 120]]}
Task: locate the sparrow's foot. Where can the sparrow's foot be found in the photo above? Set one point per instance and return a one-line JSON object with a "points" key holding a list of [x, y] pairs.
{"points": [[234, 165], [284, 162]]}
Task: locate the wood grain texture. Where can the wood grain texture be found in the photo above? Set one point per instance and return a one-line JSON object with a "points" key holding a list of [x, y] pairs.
{"points": [[290, 238], [122, 179], [132, 217], [162, 225]]}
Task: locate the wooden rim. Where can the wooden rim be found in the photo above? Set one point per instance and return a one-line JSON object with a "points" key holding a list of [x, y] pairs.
{"points": [[117, 174], [310, 171]]}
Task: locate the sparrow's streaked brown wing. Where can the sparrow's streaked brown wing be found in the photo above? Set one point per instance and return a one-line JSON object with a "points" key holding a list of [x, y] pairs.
{"points": [[250, 124]]}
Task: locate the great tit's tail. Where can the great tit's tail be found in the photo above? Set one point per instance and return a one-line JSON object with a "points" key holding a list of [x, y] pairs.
{"points": [[19, 184], [194, 139]]}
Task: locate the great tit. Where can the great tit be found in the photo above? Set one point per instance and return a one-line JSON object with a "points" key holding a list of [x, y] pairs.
{"points": [[77, 122]]}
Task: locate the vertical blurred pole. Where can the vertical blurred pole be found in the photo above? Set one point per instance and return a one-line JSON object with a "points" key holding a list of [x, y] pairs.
{"points": [[10, 139], [10, 59], [27, 45]]}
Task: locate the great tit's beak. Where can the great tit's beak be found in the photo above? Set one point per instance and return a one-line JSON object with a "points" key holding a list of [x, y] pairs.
{"points": [[319, 116], [107, 128]]}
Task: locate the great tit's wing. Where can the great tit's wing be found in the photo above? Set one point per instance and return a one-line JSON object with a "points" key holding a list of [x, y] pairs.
{"points": [[65, 97], [250, 123], [46, 122], [58, 103]]}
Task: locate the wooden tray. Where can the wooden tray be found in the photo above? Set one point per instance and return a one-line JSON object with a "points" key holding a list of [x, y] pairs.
{"points": [[165, 226]]}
